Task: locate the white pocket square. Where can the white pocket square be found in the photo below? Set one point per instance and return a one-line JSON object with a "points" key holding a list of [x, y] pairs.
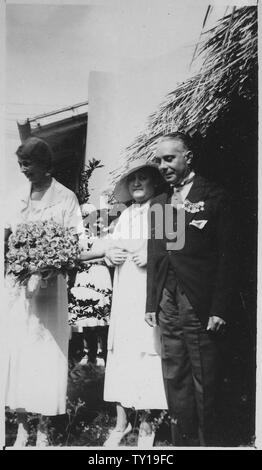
{"points": [[199, 223]]}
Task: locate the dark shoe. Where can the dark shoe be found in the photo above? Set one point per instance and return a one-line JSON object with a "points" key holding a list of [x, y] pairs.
{"points": [[180, 439]]}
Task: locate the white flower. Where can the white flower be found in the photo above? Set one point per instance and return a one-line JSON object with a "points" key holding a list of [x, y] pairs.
{"points": [[85, 293]]}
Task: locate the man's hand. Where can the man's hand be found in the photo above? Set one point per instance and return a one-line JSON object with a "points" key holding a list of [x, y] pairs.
{"points": [[150, 318], [116, 255], [140, 258], [215, 323]]}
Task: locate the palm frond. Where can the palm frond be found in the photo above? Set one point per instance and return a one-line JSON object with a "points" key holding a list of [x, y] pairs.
{"points": [[229, 68]]}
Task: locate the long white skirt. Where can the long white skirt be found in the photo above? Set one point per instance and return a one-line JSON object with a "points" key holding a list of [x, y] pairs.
{"points": [[38, 349], [133, 374]]}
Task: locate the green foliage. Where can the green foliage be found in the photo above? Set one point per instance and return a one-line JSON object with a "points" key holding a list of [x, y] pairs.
{"points": [[83, 193], [88, 418]]}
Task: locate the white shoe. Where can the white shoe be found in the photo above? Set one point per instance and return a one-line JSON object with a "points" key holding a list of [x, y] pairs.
{"points": [[115, 437], [145, 441], [22, 437], [41, 439], [84, 360], [100, 362]]}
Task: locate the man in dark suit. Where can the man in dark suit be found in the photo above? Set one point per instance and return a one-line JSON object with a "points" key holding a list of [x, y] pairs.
{"points": [[189, 288]]}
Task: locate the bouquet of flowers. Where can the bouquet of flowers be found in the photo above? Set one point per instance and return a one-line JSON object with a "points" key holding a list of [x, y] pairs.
{"points": [[86, 299], [40, 249]]}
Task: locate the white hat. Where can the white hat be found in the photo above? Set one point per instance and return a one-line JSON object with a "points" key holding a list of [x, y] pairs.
{"points": [[121, 192]]}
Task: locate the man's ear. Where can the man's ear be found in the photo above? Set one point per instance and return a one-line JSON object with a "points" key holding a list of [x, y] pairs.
{"points": [[189, 157]]}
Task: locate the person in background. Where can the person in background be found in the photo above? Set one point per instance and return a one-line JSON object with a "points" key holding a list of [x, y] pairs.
{"points": [[92, 290]]}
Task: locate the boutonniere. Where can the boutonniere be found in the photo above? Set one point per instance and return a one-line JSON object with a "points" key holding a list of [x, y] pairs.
{"points": [[193, 207]]}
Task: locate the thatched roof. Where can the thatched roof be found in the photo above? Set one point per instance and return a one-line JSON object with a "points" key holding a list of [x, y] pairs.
{"points": [[229, 67]]}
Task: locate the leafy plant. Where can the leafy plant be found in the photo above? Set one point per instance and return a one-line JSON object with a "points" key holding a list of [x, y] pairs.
{"points": [[83, 193]]}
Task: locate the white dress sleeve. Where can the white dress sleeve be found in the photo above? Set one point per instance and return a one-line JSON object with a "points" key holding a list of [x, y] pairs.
{"points": [[72, 215], [10, 214]]}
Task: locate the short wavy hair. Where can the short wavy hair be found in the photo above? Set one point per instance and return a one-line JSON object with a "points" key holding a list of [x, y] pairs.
{"points": [[36, 150], [182, 136]]}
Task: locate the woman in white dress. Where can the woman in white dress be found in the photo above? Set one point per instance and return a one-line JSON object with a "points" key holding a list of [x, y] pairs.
{"points": [[133, 376], [38, 326]]}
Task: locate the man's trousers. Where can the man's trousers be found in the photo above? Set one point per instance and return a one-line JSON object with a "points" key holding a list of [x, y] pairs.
{"points": [[190, 366]]}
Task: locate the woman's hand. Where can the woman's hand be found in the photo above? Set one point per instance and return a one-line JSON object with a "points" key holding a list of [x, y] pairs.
{"points": [[116, 255], [47, 274], [140, 258]]}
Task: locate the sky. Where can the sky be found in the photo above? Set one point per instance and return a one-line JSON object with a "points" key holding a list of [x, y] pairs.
{"points": [[52, 53]]}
